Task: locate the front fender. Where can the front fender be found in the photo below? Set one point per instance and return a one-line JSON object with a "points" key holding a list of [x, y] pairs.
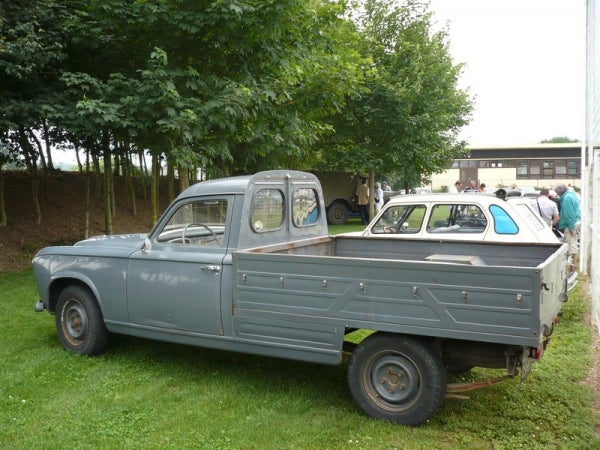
{"points": [[105, 277]]}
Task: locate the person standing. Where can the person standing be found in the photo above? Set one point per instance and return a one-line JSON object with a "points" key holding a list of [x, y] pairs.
{"points": [[378, 197], [456, 188], [547, 208], [569, 220], [362, 193], [472, 187]]}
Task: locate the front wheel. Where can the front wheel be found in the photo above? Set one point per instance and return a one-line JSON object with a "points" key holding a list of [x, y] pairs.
{"points": [[397, 378], [79, 322]]}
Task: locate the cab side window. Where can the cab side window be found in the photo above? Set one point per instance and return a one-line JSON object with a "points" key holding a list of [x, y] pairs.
{"points": [[197, 223]]}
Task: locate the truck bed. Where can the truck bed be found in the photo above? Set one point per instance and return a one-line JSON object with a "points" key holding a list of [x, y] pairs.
{"points": [[303, 295]]}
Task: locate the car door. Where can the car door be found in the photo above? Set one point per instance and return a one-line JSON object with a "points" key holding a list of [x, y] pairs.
{"points": [[175, 281]]}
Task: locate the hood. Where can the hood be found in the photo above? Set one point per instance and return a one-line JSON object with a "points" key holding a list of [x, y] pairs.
{"points": [[121, 245], [123, 241]]}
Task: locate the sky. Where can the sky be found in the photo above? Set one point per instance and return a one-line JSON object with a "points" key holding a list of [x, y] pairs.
{"points": [[524, 64]]}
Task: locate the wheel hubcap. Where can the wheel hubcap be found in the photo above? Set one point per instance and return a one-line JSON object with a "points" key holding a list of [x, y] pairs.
{"points": [[75, 322], [395, 380]]}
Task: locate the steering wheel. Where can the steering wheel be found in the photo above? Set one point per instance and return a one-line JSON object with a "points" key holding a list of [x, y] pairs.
{"points": [[193, 224]]}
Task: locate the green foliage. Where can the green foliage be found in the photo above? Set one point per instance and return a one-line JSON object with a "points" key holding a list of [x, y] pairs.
{"points": [[559, 140], [144, 394], [407, 118]]}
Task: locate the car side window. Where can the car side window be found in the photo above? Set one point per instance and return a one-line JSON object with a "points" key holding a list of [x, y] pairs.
{"points": [[196, 223], [400, 219], [503, 223], [456, 218]]}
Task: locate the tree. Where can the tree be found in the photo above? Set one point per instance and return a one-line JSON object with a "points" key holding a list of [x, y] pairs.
{"points": [[407, 118], [31, 51], [230, 86], [559, 140]]}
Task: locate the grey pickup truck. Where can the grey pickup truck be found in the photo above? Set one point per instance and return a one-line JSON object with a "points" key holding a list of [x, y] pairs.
{"points": [[246, 264]]}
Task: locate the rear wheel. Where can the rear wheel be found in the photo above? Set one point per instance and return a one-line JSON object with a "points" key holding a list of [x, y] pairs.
{"points": [[397, 378], [79, 322], [337, 214]]}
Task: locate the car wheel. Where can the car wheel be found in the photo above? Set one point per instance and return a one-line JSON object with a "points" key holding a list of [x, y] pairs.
{"points": [[397, 378], [79, 322], [337, 214]]}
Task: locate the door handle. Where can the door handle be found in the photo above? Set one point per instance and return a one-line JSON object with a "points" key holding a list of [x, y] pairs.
{"points": [[211, 268]]}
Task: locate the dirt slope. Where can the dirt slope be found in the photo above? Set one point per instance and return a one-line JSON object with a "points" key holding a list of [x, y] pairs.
{"points": [[62, 215]]}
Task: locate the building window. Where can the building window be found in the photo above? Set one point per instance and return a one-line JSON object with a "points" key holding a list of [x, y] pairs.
{"points": [[522, 171], [548, 167], [573, 168]]}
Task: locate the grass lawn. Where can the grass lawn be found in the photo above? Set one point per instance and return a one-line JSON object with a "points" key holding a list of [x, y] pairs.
{"points": [[353, 224], [149, 395]]}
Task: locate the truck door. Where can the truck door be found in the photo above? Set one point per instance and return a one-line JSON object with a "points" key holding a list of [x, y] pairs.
{"points": [[175, 281]]}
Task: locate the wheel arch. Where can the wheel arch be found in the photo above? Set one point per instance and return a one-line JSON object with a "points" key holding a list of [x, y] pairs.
{"points": [[59, 283]]}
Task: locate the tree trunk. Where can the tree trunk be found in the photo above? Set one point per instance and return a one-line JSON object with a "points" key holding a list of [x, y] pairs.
{"points": [[97, 175], [31, 163], [171, 181], [40, 152], [87, 205], [128, 172], [154, 187], [2, 203], [117, 165], [108, 201], [184, 178], [47, 143], [87, 163], [143, 173], [371, 193]]}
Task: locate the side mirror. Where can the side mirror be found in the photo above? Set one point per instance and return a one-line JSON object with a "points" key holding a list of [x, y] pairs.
{"points": [[147, 245]]}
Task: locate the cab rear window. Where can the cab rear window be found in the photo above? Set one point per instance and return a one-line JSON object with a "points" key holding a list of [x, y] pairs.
{"points": [[305, 207]]}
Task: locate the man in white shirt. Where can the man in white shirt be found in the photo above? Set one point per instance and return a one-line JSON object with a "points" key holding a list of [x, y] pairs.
{"points": [[547, 209], [456, 188]]}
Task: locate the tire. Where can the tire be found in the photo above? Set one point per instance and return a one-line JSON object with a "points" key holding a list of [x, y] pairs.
{"points": [[337, 214], [397, 378], [79, 322]]}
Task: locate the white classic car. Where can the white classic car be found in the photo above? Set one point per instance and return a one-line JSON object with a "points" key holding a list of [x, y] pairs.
{"points": [[472, 217]]}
